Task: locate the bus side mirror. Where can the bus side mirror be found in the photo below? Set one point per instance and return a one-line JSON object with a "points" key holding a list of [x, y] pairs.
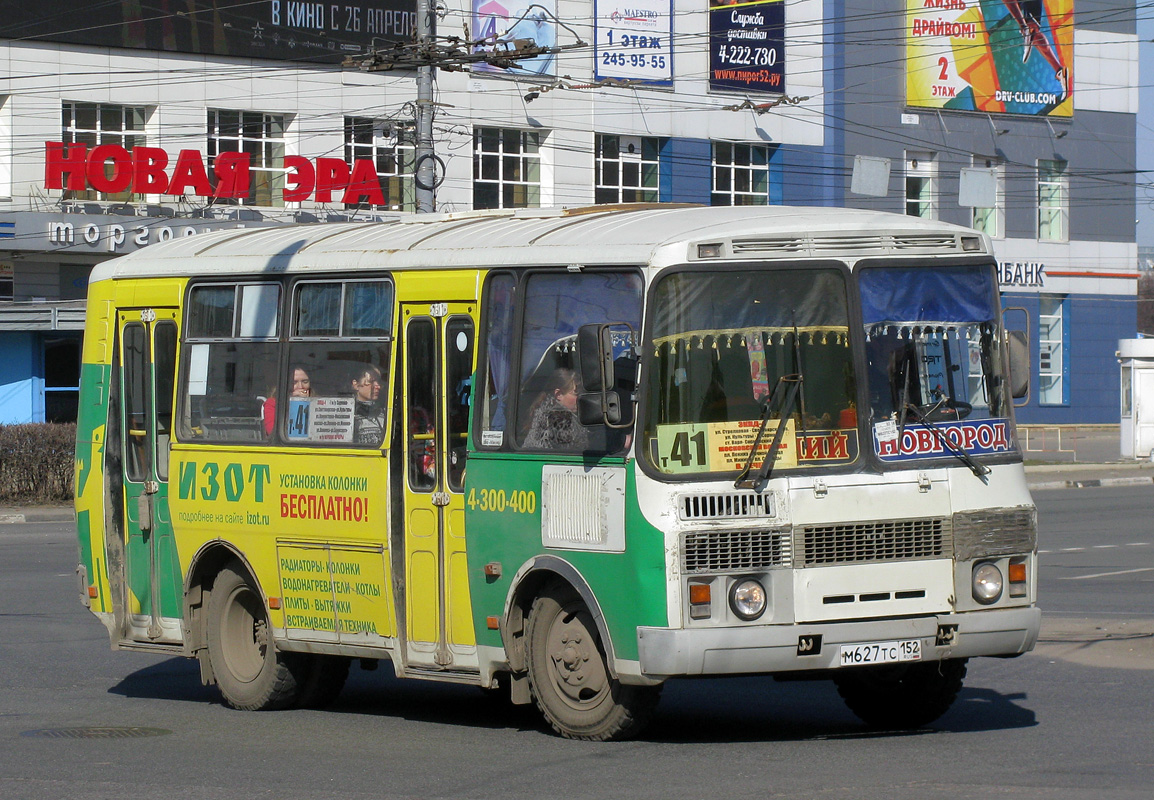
{"points": [[595, 351], [599, 408], [1019, 344], [602, 403]]}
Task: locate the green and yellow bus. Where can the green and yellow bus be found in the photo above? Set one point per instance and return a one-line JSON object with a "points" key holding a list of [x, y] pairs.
{"points": [[570, 452]]}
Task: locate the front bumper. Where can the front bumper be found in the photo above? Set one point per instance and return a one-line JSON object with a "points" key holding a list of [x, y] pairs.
{"points": [[668, 652]]}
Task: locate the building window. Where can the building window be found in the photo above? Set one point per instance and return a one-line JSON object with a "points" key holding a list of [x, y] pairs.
{"points": [[992, 221], [6, 281], [506, 168], [94, 124], [628, 169], [1053, 201], [740, 175], [921, 191], [392, 150], [61, 378], [1053, 350], [5, 147], [260, 135]]}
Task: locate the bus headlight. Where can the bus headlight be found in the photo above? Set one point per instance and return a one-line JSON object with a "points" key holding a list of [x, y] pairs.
{"points": [[987, 583], [747, 598]]}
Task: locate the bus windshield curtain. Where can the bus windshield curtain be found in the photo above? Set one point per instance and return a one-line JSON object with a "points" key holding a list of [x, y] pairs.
{"points": [[767, 300], [936, 296]]}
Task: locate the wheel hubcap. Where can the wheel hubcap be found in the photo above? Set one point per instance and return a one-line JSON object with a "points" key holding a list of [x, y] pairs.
{"points": [[245, 639], [575, 663]]}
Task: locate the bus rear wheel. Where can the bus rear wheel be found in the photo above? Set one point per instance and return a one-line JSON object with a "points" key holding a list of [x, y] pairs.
{"points": [[569, 677], [250, 673], [902, 696]]}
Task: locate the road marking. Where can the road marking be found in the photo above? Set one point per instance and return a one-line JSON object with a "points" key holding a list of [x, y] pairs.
{"points": [[1108, 574], [1096, 547]]}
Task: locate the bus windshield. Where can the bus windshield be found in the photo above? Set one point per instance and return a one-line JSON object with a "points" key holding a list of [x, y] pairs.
{"points": [[722, 343], [936, 382]]}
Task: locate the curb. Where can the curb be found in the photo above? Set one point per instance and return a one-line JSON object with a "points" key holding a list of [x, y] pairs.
{"points": [[1090, 484], [21, 516]]}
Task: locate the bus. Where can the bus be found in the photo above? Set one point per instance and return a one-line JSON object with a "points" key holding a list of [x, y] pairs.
{"points": [[571, 453]]}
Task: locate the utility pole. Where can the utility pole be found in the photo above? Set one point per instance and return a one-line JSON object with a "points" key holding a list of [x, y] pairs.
{"points": [[425, 174], [450, 53]]}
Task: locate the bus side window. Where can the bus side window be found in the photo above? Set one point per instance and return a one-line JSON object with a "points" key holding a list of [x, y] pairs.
{"points": [[459, 378], [493, 393], [340, 338], [557, 304], [230, 360]]}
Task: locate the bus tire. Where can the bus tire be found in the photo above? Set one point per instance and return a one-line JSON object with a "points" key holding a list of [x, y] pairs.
{"points": [[324, 679], [250, 673], [568, 675], [902, 696]]}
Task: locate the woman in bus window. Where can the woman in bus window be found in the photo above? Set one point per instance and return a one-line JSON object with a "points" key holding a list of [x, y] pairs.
{"points": [[554, 424], [369, 422], [301, 387]]}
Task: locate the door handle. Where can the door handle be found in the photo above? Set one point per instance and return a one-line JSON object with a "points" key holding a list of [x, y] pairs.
{"points": [[144, 512]]}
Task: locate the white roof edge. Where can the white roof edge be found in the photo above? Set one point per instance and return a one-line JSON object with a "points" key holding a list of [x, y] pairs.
{"points": [[550, 236]]}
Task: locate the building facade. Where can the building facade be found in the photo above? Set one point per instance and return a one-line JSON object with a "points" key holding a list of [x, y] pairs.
{"points": [[136, 128], [1040, 101]]}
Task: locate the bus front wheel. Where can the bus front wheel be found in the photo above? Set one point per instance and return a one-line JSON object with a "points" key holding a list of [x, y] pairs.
{"points": [[569, 677], [250, 673], [902, 696]]}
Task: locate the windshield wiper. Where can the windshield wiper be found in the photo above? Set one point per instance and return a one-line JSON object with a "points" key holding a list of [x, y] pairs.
{"points": [[979, 470], [905, 399], [786, 408]]}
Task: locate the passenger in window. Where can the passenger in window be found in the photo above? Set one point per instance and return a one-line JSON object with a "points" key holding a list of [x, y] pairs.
{"points": [[301, 387], [369, 422], [554, 424], [422, 450]]}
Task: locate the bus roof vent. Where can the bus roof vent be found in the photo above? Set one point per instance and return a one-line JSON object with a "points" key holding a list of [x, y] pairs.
{"points": [[867, 243], [780, 245], [926, 241], [725, 505]]}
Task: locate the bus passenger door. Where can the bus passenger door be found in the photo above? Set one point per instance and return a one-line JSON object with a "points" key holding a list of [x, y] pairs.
{"points": [[438, 351], [152, 572]]}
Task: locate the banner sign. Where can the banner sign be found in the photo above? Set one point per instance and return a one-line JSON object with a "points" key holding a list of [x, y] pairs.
{"points": [[699, 447], [280, 29], [634, 41], [112, 169], [991, 56], [988, 437], [499, 23], [747, 46]]}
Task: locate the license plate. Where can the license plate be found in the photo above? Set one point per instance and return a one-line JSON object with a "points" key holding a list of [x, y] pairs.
{"points": [[853, 655]]}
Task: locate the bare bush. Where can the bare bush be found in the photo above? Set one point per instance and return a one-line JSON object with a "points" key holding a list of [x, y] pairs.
{"points": [[36, 462]]}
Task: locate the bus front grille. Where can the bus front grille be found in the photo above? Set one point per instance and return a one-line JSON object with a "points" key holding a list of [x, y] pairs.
{"points": [[729, 551], [883, 540], [995, 532], [726, 505]]}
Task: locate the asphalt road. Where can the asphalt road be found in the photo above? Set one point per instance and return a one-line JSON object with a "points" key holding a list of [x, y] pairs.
{"points": [[1070, 720]]}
